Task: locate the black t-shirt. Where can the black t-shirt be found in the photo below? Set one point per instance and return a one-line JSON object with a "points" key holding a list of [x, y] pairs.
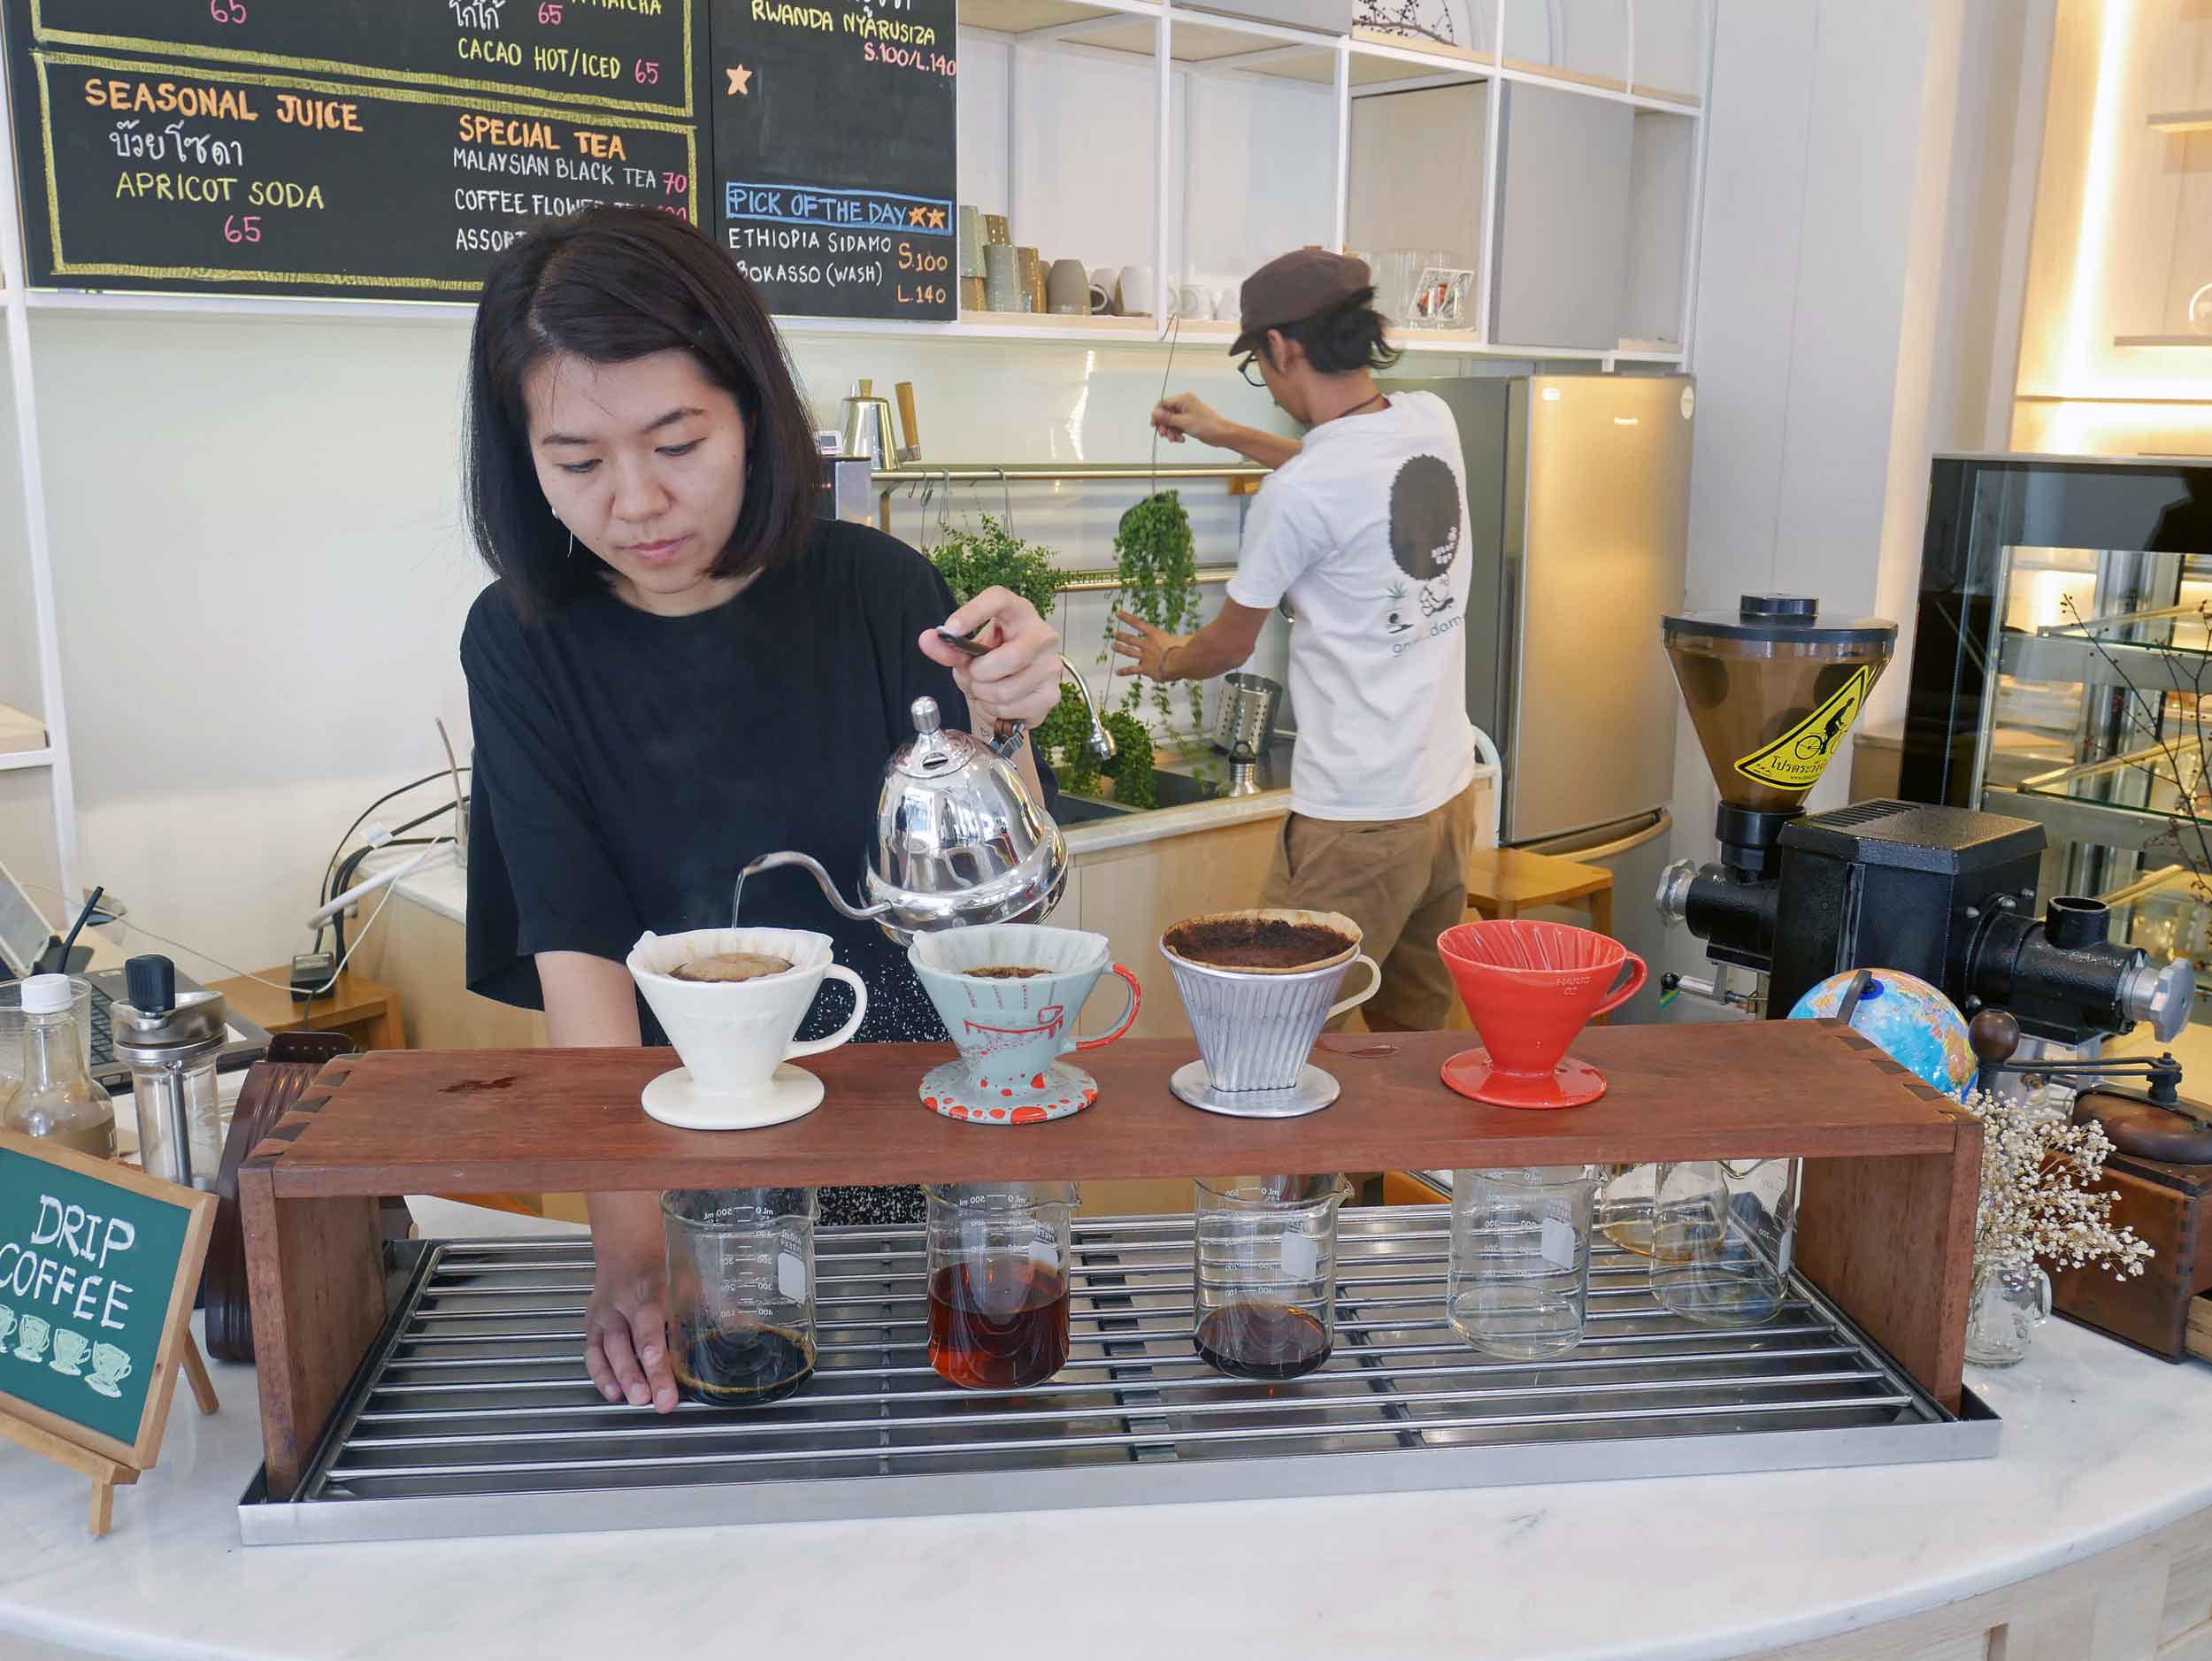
{"points": [[628, 765]]}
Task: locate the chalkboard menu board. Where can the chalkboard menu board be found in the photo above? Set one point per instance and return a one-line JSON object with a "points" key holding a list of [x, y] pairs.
{"points": [[388, 150], [835, 150], [265, 147]]}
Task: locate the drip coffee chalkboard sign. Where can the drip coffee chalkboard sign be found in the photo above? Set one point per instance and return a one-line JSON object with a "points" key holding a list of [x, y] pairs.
{"points": [[160, 147], [98, 1264], [835, 150]]}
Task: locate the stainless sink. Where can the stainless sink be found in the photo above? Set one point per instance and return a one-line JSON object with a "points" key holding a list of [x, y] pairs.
{"points": [[1083, 809]]}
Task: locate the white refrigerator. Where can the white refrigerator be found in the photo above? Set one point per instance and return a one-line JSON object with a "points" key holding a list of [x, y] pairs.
{"points": [[1579, 495]]}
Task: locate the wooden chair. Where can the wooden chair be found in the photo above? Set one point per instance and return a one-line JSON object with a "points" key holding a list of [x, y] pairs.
{"points": [[1507, 882]]}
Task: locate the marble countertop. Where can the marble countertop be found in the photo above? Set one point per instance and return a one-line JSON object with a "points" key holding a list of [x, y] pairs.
{"points": [[2101, 1445]]}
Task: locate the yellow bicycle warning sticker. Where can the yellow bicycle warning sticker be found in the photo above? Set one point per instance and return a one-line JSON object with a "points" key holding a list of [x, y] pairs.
{"points": [[1795, 760]]}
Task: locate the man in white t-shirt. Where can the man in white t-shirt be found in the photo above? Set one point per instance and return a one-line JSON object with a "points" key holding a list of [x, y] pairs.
{"points": [[1363, 526]]}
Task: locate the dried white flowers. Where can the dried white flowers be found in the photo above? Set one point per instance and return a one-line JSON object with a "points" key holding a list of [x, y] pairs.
{"points": [[2039, 1172]]}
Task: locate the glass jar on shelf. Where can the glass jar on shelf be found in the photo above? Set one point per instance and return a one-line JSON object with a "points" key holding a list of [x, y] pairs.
{"points": [[1518, 1283], [1723, 1235]]}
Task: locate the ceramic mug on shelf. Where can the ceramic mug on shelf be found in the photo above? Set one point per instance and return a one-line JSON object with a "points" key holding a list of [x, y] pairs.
{"points": [[1193, 303], [1134, 291], [1068, 289], [1030, 278], [1104, 281], [971, 241], [1002, 284], [974, 297], [995, 230]]}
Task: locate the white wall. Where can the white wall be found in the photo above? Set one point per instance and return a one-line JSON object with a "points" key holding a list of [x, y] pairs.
{"points": [[1863, 211]]}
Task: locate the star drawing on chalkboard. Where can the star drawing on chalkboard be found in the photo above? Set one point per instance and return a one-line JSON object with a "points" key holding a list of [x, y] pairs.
{"points": [[917, 216], [740, 77], [937, 218]]}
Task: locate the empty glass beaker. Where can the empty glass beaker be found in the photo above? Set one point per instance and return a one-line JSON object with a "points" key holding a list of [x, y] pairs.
{"points": [[1519, 1282], [741, 1291], [1266, 1279], [999, 1256], [1723, 1233]]}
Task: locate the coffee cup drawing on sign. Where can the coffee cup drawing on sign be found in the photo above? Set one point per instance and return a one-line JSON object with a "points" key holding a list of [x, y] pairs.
{"points": [[7, 1326], [30, 1338], [110, 1367], [70, 1350]]}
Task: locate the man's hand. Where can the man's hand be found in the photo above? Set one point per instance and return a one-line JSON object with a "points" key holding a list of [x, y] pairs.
{"points": [[1019, 679], [1187, 415], [1146, 646]]}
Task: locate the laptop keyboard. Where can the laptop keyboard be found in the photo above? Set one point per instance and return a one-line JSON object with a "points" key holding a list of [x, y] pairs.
{"points": [[103, 1029]]}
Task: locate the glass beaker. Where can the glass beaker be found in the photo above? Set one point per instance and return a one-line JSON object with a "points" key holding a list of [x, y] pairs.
{"points": [[1266, 1273], [1622, 1210], [1519, 1282], [1723, 1233], [999, 1256], [741, 1292]]}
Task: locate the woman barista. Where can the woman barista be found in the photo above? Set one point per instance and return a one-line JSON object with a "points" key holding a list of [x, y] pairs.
{"points": [[680, 666]]}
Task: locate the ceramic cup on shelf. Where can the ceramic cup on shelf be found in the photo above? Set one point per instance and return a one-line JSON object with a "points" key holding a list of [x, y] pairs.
{"points": [[1030, 278], [1105, 280], [736, 1037], [1002, 281], [971, 241], [996, 230], [1101, 298], [1191, 303], [1068, 289], [1132, 291], [973, 296]]}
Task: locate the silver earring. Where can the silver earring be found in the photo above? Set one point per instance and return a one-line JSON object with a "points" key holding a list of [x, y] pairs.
{"points": [[572, 545]]}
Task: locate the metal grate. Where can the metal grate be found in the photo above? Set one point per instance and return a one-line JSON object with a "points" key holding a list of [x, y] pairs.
{"points": [[472, 1415]]}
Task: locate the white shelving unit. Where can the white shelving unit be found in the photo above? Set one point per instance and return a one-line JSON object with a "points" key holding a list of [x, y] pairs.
{"points": [[1170, 50]]}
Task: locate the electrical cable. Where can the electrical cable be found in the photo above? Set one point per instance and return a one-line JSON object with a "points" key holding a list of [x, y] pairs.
{"points": [[352, 863], [322, 895], [130, 927]]}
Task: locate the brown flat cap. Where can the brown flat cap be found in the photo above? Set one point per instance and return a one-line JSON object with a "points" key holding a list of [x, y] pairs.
{"points": [[1289, 290]]}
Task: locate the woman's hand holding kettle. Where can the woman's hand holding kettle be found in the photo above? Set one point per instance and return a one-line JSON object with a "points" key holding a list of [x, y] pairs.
{"points": [[1017, 677]]}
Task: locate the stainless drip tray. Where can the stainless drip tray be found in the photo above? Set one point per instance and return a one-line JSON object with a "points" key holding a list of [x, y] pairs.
{"points": [[471, 1414]]}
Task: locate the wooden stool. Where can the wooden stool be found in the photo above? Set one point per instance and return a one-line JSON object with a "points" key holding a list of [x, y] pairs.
{"points": [[355, 1005], [1507, 882]]}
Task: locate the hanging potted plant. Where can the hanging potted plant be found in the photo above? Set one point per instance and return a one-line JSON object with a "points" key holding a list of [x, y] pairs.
{"points": [[993, 556], [1156, 566]]}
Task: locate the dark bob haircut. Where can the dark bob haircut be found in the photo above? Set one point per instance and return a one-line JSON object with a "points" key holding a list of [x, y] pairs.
{"points": [[611, 285], [1347, 337]]}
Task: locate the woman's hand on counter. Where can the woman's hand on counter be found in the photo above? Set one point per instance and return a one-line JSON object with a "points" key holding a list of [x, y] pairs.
{"points": [[1019, 679], [625, 1323]]}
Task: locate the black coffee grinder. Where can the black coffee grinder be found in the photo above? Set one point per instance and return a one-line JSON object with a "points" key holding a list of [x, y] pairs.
{"points": [[1942, 893]]}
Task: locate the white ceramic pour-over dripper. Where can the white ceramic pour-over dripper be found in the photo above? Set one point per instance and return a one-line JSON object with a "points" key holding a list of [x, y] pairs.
{"points": [[734, 1037]]}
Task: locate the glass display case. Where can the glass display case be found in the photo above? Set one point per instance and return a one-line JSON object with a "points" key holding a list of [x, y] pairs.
{"points": [[2062, 672]]}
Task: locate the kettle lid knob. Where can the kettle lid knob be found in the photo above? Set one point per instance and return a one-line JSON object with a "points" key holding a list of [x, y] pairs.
{"points": [[927, 717]]}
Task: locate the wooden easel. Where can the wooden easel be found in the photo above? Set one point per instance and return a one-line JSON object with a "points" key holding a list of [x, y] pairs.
{"points": [[107, 1474]]}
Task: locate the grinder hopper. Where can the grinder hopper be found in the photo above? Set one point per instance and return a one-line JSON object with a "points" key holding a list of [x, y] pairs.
{"points": [[1771, 687]]}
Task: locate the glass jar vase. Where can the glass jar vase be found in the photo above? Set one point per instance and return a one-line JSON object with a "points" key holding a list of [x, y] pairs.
{"points": [[2010, 1298]]}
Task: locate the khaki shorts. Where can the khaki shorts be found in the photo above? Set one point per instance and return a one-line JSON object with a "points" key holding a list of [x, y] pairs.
{"points": [[1403, 881]]}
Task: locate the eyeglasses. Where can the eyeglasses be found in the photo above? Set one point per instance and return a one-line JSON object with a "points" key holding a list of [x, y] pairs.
{"points": [[1250, 368]]}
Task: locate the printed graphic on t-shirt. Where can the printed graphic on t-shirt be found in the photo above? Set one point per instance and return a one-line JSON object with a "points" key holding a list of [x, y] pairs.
{"points": [[1424, 536]]}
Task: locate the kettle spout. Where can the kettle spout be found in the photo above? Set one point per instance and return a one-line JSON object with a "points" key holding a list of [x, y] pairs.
{"points": [[771, 862]]}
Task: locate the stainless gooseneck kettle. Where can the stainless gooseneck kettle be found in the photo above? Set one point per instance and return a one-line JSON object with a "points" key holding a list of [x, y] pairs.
{"points": [[958, 839]]}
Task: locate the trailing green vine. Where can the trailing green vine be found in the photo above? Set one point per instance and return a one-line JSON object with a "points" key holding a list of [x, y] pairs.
{"points": [[973, 561], [1132, 768], [1157, 568], [1066, 735]]}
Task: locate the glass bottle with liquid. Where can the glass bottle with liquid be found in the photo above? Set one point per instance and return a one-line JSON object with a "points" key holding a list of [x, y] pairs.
{"points": [[741, 1292], [57, 1099]]}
